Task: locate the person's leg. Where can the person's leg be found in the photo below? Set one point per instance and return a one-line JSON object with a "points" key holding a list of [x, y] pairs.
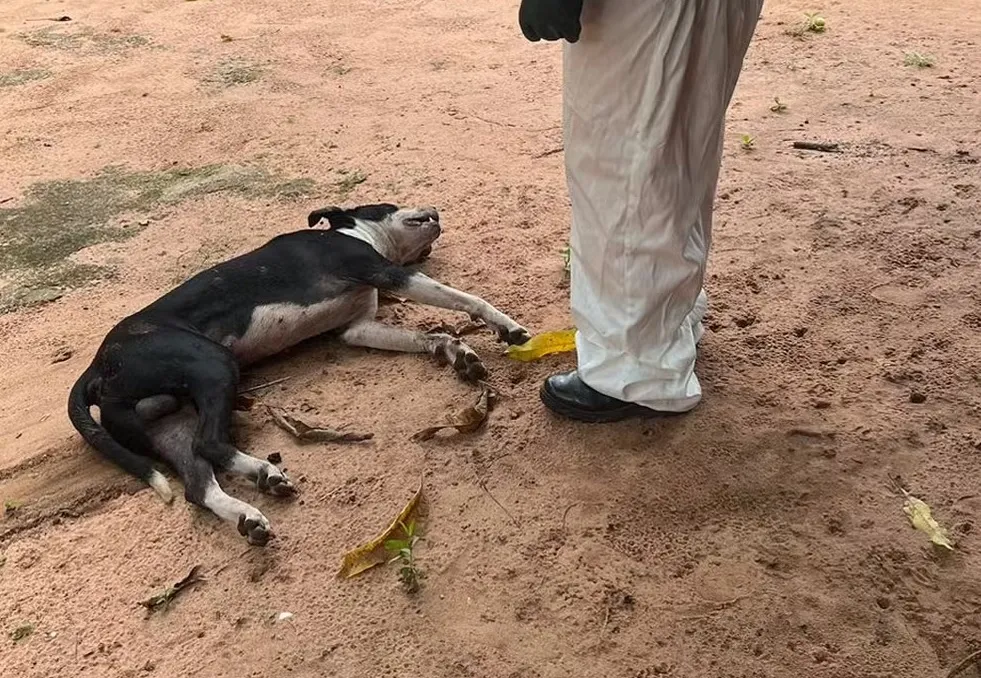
{"points": [[646, 93]]}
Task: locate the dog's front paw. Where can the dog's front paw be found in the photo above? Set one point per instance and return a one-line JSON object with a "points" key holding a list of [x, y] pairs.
{"points": [[514, 336], [270, 479], [464, 360], [468, 365], [506, 329]]}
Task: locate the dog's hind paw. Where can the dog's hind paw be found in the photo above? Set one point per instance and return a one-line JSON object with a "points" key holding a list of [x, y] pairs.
{"points": [[255, 528], [270, 479]]}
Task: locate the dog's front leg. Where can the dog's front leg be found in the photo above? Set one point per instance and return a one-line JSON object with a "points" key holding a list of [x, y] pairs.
{"points": [[424, 290], [446, 349]]}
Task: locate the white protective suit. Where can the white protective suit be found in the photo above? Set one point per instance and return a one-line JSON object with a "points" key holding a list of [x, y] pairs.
{"points": [[646, 92]]}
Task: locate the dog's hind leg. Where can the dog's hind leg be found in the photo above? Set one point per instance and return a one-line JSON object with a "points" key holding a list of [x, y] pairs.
{"points": [[446, 349], [265, 474], [212, 379], [173, 440], [155, 407], [213, 382], [124, 424]]}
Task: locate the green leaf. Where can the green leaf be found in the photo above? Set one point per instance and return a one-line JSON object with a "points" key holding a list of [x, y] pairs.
{"points": [[395, 545]]}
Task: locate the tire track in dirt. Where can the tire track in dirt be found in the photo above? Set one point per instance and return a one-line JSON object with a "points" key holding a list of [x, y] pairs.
{"points": [[57, 484]]}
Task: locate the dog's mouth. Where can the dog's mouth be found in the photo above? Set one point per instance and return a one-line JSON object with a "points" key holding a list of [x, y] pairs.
{"points": [[422, 220]]}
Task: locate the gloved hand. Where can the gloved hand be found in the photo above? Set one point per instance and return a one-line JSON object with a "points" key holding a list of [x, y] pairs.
{"points": [[551, 19]]}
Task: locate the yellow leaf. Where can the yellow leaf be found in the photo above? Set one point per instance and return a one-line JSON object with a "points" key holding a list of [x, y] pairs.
{"points": [[544, 344], [373, 553], [920, 516]]}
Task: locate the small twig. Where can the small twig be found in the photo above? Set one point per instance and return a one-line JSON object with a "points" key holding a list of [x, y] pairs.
{"points": [[822, 147], [162, 601], [483, 486], [554, 151], [808, 433], [718, 607], [511, 124], [221, 568], [964, 663], [59, 18], [253, 389], [5, 200], [565, 514], [606, 619], [896, 485], [385, 298], [464, 329]]}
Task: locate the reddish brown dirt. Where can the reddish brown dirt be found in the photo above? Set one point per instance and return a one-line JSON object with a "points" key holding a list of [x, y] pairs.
{"points": [[756, 537]]}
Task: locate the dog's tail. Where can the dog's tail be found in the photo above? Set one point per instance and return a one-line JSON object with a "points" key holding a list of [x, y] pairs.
{"points": [[79, 401]]}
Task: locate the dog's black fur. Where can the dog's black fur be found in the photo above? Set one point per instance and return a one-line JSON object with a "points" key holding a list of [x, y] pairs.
{"points": [[188, 346]]}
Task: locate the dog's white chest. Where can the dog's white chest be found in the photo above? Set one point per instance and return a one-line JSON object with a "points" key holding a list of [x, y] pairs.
{"points": [[276, 327]]}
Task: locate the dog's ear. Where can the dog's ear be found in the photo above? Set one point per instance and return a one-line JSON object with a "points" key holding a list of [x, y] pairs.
{"points": [[377, 212], [334, 216]]}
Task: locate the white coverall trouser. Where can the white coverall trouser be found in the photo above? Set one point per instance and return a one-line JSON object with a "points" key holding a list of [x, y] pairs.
{"points": [[645, 96]]}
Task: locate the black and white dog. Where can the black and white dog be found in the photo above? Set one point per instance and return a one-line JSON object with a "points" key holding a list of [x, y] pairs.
{"points": [[165, 378]]}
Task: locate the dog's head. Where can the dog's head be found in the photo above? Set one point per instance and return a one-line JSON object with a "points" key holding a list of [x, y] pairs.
{"points": [[403, 235]]}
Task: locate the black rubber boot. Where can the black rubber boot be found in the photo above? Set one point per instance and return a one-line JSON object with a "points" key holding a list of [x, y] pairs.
{"points": [[568, 396]]}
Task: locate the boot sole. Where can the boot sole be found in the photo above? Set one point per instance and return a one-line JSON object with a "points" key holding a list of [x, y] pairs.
{"points": [[628, 411]]}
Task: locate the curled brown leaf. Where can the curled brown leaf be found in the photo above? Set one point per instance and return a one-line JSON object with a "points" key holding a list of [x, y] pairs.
{"points": [[467, 420], [313, 434]]}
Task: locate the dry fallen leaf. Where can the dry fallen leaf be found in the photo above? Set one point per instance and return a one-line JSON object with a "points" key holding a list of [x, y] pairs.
{"points": [[313, 434], [162, 600], [373, 553], [922, 519], [467, 420]]}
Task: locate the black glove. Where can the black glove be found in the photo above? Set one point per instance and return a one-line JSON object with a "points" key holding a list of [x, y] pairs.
{"points": [[551, 19]]}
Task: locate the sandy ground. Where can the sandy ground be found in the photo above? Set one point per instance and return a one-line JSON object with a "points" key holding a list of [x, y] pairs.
{"points": [[757, 537]]}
